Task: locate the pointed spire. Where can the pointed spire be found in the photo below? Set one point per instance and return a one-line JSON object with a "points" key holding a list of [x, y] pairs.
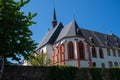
{"points": [[54, 21], [54, 15]]}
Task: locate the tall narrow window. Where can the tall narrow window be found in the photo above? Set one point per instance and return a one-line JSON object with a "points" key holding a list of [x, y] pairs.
{"points": [[108, 52], [110, 64], [70, 50], [94, 52], [81, 50], [114, 53], [118, 53], [101, 53]]}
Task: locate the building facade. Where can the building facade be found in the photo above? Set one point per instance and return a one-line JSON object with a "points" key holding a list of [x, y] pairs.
{"points": [[75, 46]]}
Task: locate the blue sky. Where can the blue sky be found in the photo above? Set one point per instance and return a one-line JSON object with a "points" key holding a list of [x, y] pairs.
{"points": [[97, 15]]}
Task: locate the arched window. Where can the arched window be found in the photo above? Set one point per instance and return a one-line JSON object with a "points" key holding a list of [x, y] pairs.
{"points": [[94, 52], [81, 50], [101, 53], [70, 50]]}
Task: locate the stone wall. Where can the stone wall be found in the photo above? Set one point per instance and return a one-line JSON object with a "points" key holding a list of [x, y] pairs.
{"points": [[25, 73], [43, 73]]}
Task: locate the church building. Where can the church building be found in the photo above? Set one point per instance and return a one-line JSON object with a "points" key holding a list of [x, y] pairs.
{"points": [[75, 46]]}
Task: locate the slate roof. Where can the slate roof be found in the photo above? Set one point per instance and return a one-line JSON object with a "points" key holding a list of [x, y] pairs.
{"points": [[51, 36], [99, 39], [72, 29], [90, 34]]}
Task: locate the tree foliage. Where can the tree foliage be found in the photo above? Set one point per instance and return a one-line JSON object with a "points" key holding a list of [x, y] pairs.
{"points": [[15, 35], [40, 60]]}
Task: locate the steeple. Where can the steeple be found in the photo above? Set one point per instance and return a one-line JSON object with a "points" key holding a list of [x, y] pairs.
{"points": [[54, 21]]}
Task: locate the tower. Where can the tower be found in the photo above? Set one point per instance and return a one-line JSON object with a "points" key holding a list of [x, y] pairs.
{"points": [[54, 21]]}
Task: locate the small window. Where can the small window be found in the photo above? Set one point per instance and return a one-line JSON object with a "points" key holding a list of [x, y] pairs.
{"points": [[110, 64], [94, 54], [101, 53], [107, 43], [91, 39], [106, 37], [108, 52], [116, 63], [116, 39], [118, 45], [114, 53], [102, 65], [94, 64]]}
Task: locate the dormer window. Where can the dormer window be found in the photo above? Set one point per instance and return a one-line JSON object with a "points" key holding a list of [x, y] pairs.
{"points": [[118, 45], [116, 39], [91, 39], [107, 43], [106, 37]]}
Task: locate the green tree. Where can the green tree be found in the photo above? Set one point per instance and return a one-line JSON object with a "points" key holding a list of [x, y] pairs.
{"points": [[15, 35], [40, 60]]}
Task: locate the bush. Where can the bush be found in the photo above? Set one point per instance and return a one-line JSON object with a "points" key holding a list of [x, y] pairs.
{"points": [[62, 72]]}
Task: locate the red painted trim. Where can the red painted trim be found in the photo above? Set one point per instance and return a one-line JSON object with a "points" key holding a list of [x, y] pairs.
{"points": [[62, 54], [89, 56], [53, 60], [78, 56]]}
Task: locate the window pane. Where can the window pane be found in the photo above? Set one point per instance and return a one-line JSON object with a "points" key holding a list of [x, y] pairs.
{"points": [[101, 53], [108, 52], [70, 50], [94, 52], [81, 50]]}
